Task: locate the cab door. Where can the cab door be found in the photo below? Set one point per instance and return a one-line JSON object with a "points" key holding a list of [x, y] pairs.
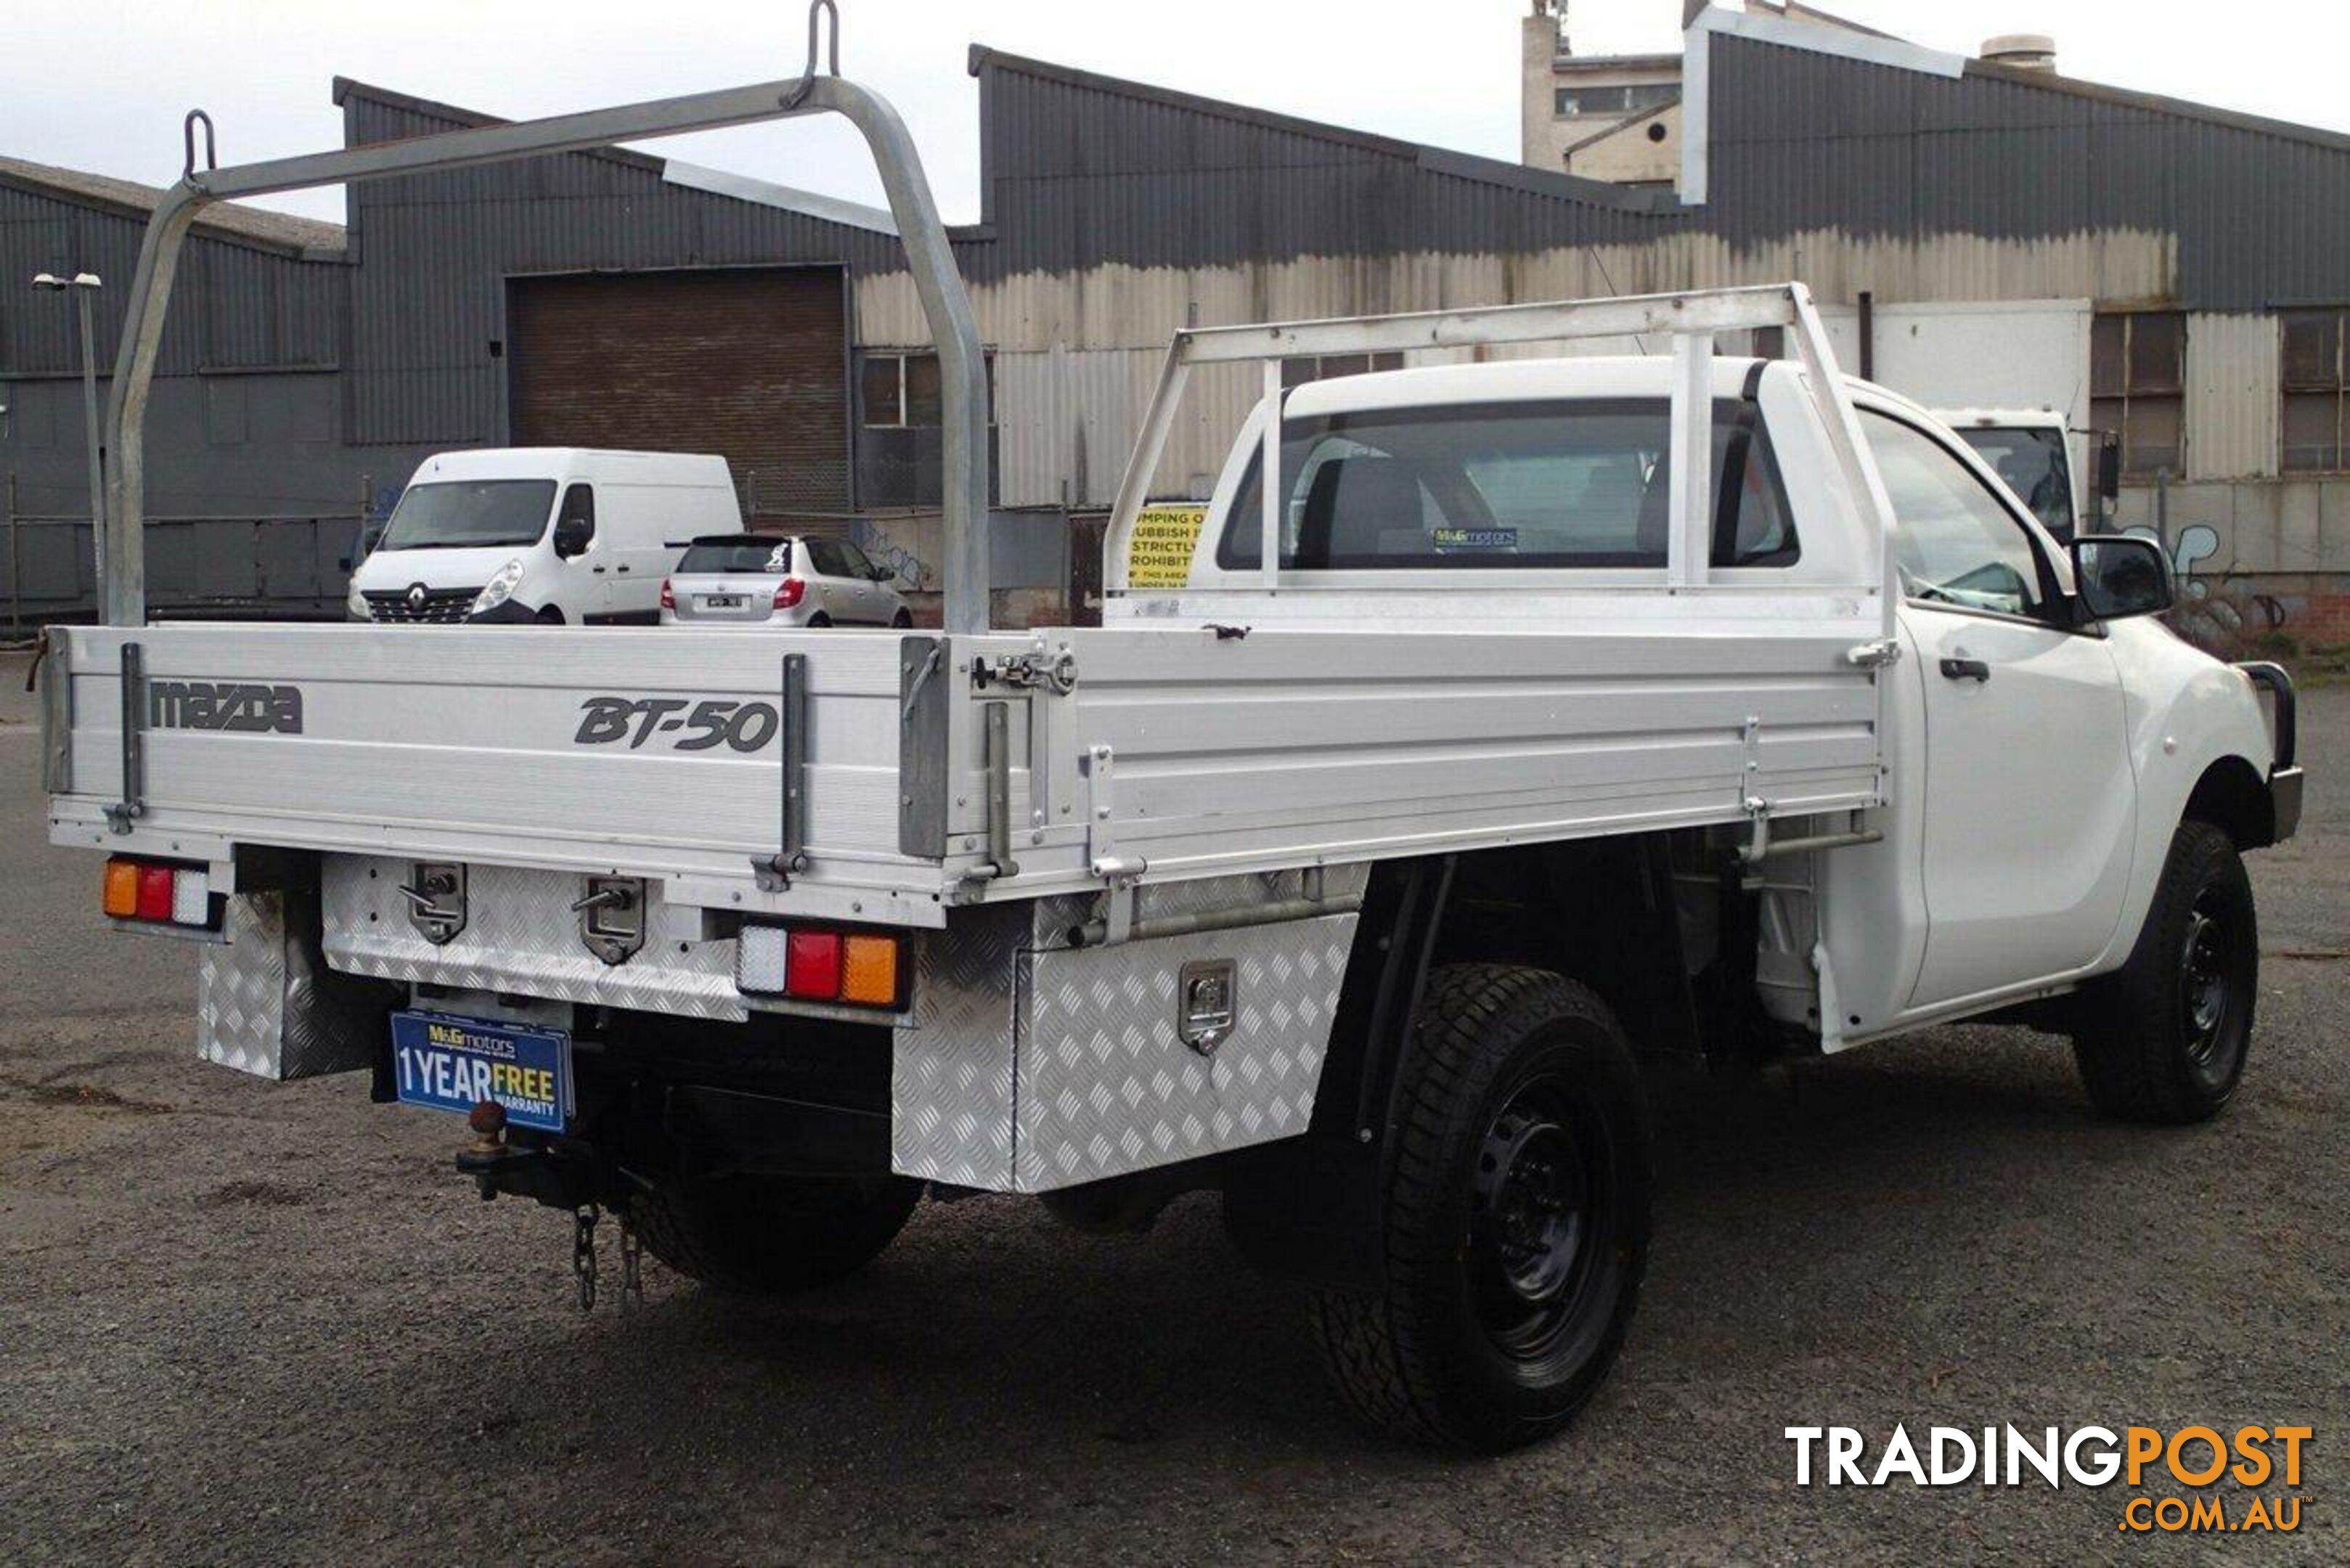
{"points": [[2030, 803], [590, 571]]}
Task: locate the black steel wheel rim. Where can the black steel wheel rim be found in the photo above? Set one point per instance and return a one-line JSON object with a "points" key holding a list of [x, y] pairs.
{"points": [[2208, 980], [1535, 1213]]}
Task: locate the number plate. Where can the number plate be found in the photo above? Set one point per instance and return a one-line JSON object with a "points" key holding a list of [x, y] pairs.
{"points": [[451, 1063], [720, 601]]}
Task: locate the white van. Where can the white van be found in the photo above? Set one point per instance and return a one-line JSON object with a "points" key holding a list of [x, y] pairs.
{"points": [[550, 534]]}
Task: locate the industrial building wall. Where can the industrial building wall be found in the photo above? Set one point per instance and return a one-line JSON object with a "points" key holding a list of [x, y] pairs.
{"points": [[748, 363], [255, 495]]}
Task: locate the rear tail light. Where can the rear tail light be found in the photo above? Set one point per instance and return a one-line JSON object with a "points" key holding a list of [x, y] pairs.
{"points": [[811, 963], [669, 596], [789, 592], [120, 899], [154, 892]]}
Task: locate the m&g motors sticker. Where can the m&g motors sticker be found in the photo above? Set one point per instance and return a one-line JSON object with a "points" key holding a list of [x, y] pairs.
{"points": [[1448, 539]]}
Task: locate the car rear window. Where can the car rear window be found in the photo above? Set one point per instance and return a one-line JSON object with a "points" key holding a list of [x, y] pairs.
{"points": [[748, 555], [1580, 483]]}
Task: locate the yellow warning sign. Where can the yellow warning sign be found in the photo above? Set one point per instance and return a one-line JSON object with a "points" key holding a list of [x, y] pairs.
{"points": [[1159, 554]]}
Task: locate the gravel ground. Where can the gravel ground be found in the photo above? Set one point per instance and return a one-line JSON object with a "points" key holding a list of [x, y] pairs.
{"points": [[240, 1321]]}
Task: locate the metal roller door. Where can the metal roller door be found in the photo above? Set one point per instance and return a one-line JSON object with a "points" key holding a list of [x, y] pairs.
{"points": [[750, 363]]}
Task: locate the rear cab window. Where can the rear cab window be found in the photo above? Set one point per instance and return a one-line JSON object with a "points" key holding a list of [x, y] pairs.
{"points": [[1572, 482]]}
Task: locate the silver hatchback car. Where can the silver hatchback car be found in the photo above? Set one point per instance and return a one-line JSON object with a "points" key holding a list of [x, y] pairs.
{"points": [[772, 579]]}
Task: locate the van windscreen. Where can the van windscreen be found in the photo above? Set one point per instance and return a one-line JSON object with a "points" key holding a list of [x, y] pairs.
{"points": [[462, 513]]}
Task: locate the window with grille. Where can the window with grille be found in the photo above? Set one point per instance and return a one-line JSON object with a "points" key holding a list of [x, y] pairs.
{"points": [[2137, 382], [2310, 381], [899, 391]]}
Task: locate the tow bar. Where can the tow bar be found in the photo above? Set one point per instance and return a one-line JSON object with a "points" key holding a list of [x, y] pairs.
{"points": [[567, 1173]]}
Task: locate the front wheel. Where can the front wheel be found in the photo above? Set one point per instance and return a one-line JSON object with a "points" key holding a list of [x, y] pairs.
{"points": [[1516, 1218], [770, 1235], [2164, 1038], [903, 621]]}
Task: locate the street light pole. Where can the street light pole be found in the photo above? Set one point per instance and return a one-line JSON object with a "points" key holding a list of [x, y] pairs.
{"points": [[85, 285]]}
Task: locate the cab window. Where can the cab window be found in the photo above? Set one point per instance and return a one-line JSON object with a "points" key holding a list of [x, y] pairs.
{"points": [[1953, 540], [1562, 483]]}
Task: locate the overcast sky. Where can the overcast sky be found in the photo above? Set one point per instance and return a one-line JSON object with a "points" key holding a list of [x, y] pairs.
{"points": [[101, 84]]}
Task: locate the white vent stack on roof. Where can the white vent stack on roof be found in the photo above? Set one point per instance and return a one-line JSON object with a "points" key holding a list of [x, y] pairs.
{"points": [[2024, 51]]}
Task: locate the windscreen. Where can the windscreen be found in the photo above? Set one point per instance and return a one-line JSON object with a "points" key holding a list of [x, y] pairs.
{"points": [[744, 554], [2031, 463], [462, 513], [1575, 483]]}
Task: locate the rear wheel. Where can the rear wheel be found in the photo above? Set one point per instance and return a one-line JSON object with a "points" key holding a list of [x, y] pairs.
{"points": [[2164, 1038], [770, 1234], [1516, 1218], [903, 621], [818, 620]]}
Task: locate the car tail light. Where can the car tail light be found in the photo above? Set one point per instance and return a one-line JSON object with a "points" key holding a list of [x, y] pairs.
{"points": [[121, 896], [812, 966], [869, 970], [669, 596], [157, 893], [789, 592], [154, 893], [811, 963]]}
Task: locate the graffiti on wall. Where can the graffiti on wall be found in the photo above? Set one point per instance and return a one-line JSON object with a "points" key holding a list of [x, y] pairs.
{"points": [[913, 571], [2218, 613]]}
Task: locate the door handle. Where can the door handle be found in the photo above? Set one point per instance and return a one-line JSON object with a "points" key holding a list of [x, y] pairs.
{"points": [[620, 568], [1973, 670], [599, 572]]}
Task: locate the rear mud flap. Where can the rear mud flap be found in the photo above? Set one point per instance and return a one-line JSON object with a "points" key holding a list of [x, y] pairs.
{"points": [[267, 1005]]}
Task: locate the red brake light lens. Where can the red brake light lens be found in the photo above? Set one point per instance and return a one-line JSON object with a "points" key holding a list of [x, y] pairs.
{"points": [[669, 596], [812, 965], [154, 892], [789, 592]]}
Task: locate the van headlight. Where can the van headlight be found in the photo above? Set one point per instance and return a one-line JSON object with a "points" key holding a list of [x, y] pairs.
{"points": [[499, 588]]}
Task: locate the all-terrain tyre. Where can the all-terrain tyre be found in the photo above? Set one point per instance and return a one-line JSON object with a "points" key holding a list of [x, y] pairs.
{"points": [[1516, 1218], [2164, 1038], [770, 1235]]}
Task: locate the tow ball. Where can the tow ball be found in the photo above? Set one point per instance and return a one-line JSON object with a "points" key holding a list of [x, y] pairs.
{"points": [[562, 1175]]}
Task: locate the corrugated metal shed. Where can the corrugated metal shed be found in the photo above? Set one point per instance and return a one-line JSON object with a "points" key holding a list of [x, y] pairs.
{"points": [[1084, 171], [1800, 139], [428, 298]]}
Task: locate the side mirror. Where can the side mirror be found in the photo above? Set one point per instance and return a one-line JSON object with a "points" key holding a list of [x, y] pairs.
{"points": [[883, 574], [2119, 576], [2109, 467], [571, 537]]}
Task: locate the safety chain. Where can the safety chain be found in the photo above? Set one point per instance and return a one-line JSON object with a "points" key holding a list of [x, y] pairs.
{"points": [[632, 1284], [583, 1253]]}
